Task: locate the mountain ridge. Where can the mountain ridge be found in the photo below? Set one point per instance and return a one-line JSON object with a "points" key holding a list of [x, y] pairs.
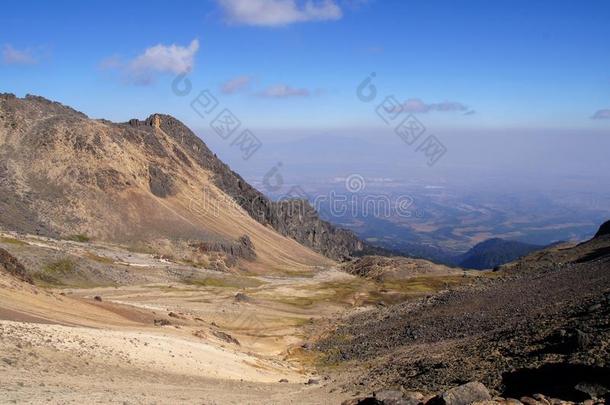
{"points": [[65, 174]]}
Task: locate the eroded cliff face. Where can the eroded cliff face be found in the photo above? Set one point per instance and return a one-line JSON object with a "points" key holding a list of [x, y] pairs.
{"points": [[62, 173]]}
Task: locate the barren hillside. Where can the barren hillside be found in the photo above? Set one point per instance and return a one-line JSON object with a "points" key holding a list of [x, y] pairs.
{"points": [[143, 183]]}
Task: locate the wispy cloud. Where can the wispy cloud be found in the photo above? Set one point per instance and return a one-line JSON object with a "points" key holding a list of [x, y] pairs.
{"points": [[416, 105], [158, 59], [276, 13], [236, 84], [12, 56], [283, 91], [602, 114]]}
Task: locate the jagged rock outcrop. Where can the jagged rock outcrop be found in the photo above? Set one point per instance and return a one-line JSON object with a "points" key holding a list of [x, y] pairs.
{"points": [[242, 248], [299, 220]]}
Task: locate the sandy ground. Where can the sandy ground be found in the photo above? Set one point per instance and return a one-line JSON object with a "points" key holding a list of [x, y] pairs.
{"points": [[59, 364]]}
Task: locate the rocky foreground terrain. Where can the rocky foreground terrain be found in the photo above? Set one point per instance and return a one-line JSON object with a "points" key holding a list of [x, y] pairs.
{"points": [[541, 326]]}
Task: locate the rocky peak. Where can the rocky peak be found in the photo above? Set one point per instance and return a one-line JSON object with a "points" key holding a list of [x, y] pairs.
{"points": [[154, 121]]}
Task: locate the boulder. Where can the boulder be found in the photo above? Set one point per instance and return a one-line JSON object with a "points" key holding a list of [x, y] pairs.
{"points": [[462, 395], [363, 401], [241, 297], [530, 401], [395, 397]]}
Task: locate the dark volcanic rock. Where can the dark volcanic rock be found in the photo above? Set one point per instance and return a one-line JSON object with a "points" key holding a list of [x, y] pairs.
{"points": [[11, 265], [363, 401]]}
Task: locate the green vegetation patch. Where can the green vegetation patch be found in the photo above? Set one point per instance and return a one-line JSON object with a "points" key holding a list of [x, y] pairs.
{"points": [[225, 282], [12, 241], [62, 273], [79, 238]]}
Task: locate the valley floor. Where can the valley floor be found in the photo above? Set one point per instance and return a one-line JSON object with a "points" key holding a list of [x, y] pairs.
{"points": [[106, 325]]}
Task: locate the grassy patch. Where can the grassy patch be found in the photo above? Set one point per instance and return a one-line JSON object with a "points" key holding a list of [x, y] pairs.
{"points": [[12, 241], [60, 267], [53, 273], [225, 282], [78, 238]]}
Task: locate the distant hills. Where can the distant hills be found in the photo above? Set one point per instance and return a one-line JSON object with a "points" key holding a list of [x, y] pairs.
{"points": [[603, 230], [494, 252]]}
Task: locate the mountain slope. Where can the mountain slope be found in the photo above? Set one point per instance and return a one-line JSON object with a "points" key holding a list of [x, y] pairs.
{"points": [[64, 174]]}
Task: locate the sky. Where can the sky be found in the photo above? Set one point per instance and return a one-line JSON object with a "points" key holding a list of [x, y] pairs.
{"points": [[287, 68], [288, 63]]}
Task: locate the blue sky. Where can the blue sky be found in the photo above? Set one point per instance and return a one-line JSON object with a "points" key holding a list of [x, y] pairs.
{"points": [[295, 65]]}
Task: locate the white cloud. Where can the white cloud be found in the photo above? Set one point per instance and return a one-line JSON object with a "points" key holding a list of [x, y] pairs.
{"points": [[236, 84], [601, 115], [274, 13], [283, 91], [163, 59], [12, 56], [153, 61], [416, 105]]}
